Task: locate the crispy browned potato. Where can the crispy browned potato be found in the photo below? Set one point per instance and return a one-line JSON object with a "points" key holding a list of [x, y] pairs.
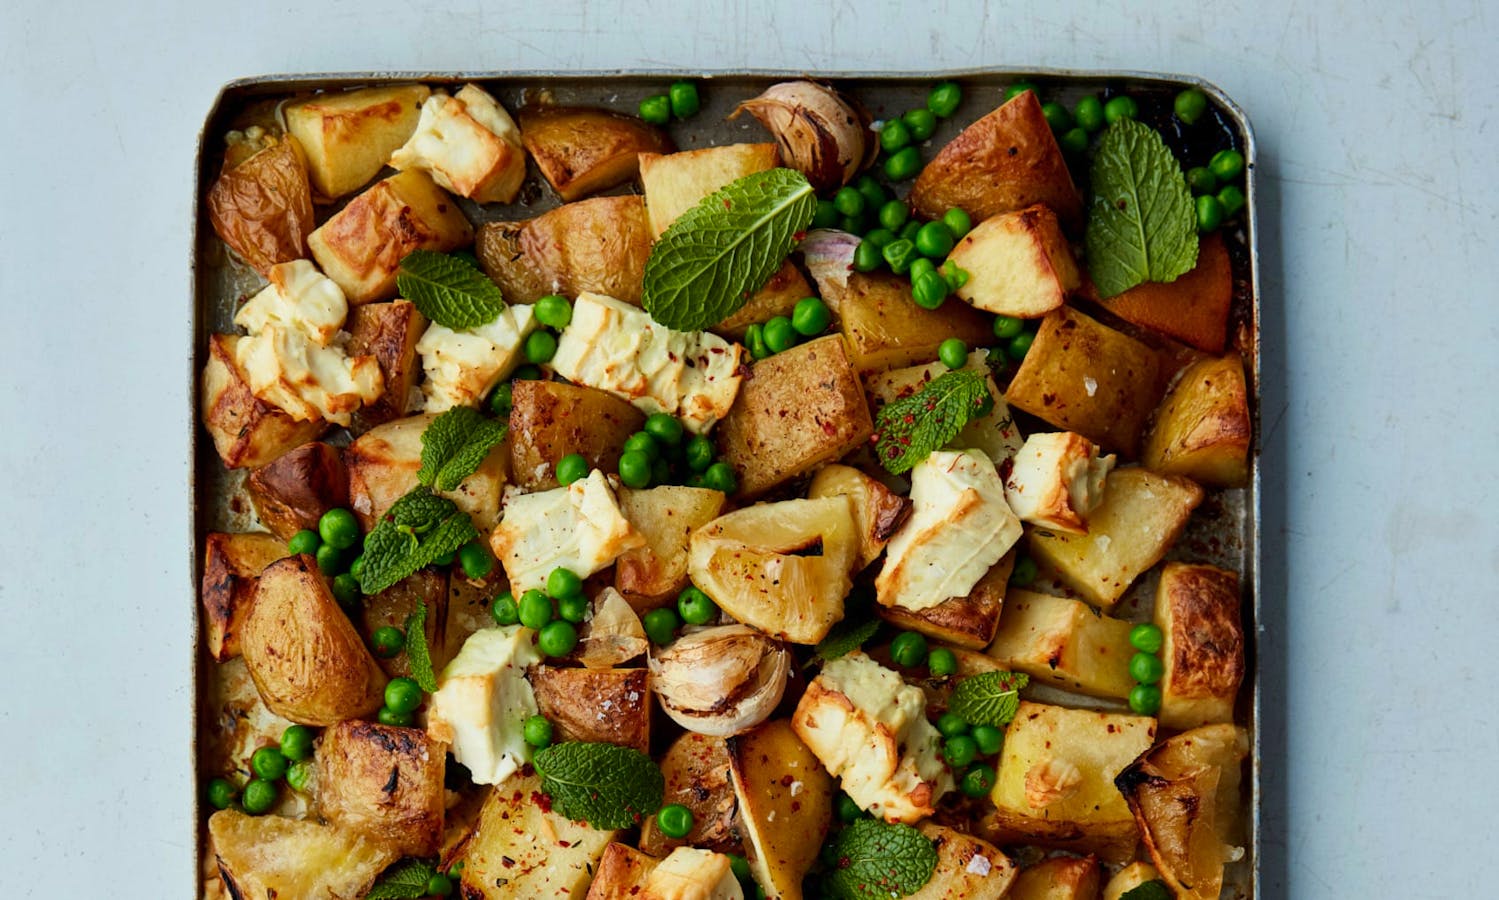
{"points": [[1066, 643], [246, 430], [785, 804], [273, 856], [582, 151], [550, 420], [1058, 878], [777, 298], [572, 699], [1202, 429], [967, 868], [696, 769], [393, 605], [1197, 609], [308, 661], [797, 410], [665, 516], [383, 782], [599, 245], [676, 182], [362, 245], [262, 207], [885, 329], [294, 491], [1193, 308], [232, 564], [348, 136], [622, 873], [521, 851], [1018, 264], [967, 622], [1081, 375], [388, 332], [383, 463], [878, 511], [1007, 160]]}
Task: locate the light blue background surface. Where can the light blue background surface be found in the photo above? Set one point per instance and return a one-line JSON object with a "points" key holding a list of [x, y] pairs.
{"points": [[1376, 127]]}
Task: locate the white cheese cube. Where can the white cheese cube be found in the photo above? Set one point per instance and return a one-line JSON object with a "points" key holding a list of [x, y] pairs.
{"points": [[692, 874], [578, 528], [464, 366], [305, 380], [483, 700], [468, 144], [300, 298], [1057, 479]]}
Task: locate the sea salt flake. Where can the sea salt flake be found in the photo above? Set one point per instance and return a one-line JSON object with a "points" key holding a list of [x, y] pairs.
{"points": [[979, 866], [1090, 385]]}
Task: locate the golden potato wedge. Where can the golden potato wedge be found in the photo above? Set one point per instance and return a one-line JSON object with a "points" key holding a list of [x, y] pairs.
{"points": [[272, 856], [362, 245], [676, 182], [968, 622], [653, 575], [383, 463], [598, 245], [261, 207], [468, 144], [1192, 309], [1081, 375], [521, 851], [1202, 429], [396, 603], [785, 804], [878, 511], [308, 662], [246, 430], [1007, 160], [994, 433], [1197, 610], [232, 564], [1058, 878], [583, 151], [1185, 795], [1018, 263], [598, 705], [349, 135], [292, 492], [550, 420], [388, 332], [884, 327], [796, 410], [1066, 643], [1055, 786], [1129, 878], [383, 782], [622, 873], [967, 868], [696, 769], [777, 298], [1141, 516]]}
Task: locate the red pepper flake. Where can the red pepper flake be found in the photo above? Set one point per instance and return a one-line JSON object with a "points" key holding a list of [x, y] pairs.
{"points": [[799, 236], [542, 801], [562, 843], [787, 781]]}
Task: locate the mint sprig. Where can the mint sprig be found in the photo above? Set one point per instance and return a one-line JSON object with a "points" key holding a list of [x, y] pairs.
{"points": [[989, 698], [455, 444], [1149, 890], [715, 256], [418, 657], [1142, 225], [404, 881], [416, 530], [876, 861], [909, 429], [605, 785], [844, 638], [449, 290]]}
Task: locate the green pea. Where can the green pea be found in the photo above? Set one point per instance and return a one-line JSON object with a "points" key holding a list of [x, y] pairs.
{"points": [[1146, 668], [978, 782], [919, 267], [388, 716], [660, 472], [1018, 88], [268, 763], [571, 467], [1020, 345], [740, 867], [908, 649], [535, 609], [538, 732], [1145, 699], [720, 477], [810, 317], [929, 291], [848, 811], [346, 590], [674, 820], [780, 336], [505, 610], [880, 237], [957, 222], [903, 165], [439, 885], [259, 796], [944, 99], [339, 528], [1227, 165], [1189, 105], [501, 399], [553, 311], [989, 738], [475, 561], [557, 638], [388, 641], [894, 135], [1232, 199], [951, 724], [953, 353], [849, 201], [220, 793], [898, 254], [661, 625], [1073, 140], [909, 231], [541, 346], [893, 215], [959, 751], [873, 193], [1024, 573], [1058, 117], [955, 276], [1202, 180], [942, 662], [934, 240], [572, 609], [921, 122], [299, 775], [867, 256], [1209, 213], [700, 453], [402, 695], [854, 224], [564, 583], [526, 372], [826, 215], [696, 607], [446, 559], [664, 428], [331, 560], [356, 568], [684, 99], [1121, 107], [1006, 327], [656, 109], [1089, 114], [296, 742], [635, 469], [754, 340], [304, 541]]}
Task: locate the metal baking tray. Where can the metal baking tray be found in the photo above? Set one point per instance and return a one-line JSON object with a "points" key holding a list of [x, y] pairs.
{"points": [[1225, 530]]}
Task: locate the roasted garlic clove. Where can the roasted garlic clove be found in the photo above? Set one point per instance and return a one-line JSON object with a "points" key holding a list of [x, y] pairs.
{"points": [[720, 681], [820, 134]]}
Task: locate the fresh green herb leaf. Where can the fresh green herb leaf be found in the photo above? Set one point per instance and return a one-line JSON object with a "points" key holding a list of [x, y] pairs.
{"points": [[455, 445], [715, 256], [404, 881], [605, 785], [1150, 890], [1143, 224], [417, 655], [908, 429], [418, 528], [989, 698], [877, 860], [449, 289], [845, 637]]}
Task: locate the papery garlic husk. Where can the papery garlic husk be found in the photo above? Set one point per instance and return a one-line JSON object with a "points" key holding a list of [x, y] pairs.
{"points": [[820, 134], [828, 255], [612, 635], [720, 681]]}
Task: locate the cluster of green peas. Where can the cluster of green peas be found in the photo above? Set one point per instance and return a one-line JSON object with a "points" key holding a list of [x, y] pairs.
{"points": [[809, 318], [680, 100], [898, 136], [1218, 198], [660, 453], [1146, 668], [291, 761], [915, 249], [554, 614], [963, 744], [693, 607]]}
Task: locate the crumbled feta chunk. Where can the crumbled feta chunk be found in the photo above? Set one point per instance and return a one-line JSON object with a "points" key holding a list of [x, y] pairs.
{"points": [[464, 366], [578, 527], [468, 144], [483, 700]]}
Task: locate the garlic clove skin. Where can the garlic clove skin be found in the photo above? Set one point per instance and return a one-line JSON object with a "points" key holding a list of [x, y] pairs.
{"points": [[820, 134], [720, 681]]}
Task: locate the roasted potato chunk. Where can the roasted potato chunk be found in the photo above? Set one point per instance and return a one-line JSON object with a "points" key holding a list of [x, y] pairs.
{"points": [[785, 821], [884, 327], [272, 856], [796, 410], [676, 182], [777, 298], [1058, 878], [1202, 429], [1065, 643], [1192, 309], [1018, 264], [550, 420], [383, 463], [396, 603], [232, 564], [292, 492], [1007, 160], [520, 851], [574, 698], [598, 245], [878, 511], [696, 769], [968, 622], [308, 662], [388, 332], [665, 516], [348, 136], [246, 430], [383, 782], [967, 868], [1197, 609], [622, 873], [583, 151], [262, 207]]}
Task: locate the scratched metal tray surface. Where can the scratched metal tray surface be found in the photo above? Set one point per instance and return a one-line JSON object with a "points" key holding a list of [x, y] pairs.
{"points": [[1225, 530]]}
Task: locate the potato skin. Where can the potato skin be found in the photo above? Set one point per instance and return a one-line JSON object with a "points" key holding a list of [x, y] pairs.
{"points": [[396, 603], [246, 430], [383, 782], [777, 298], [389, 332], [696, 769], [549, 420], [262, 208], [582, 151], [651, 576], [1202, 429], [572, 699], [1058, 878], [293, 492], [232, 564], [1197, 609], [599, 245], [885, 329]]}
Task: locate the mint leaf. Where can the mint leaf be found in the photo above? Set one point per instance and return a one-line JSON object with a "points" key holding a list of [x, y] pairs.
{"points": [[403, 881], [989, 698], [1143, 225], [877, 860], [449, 290], [418, 657], [417, 529], [844, 638], [455, 445], [605, 785], [715, 256], [1150, 890], [909, 429]]}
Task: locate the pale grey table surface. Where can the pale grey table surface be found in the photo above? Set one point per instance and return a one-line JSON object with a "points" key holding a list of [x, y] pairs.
{"points": [[1377, 130]]}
